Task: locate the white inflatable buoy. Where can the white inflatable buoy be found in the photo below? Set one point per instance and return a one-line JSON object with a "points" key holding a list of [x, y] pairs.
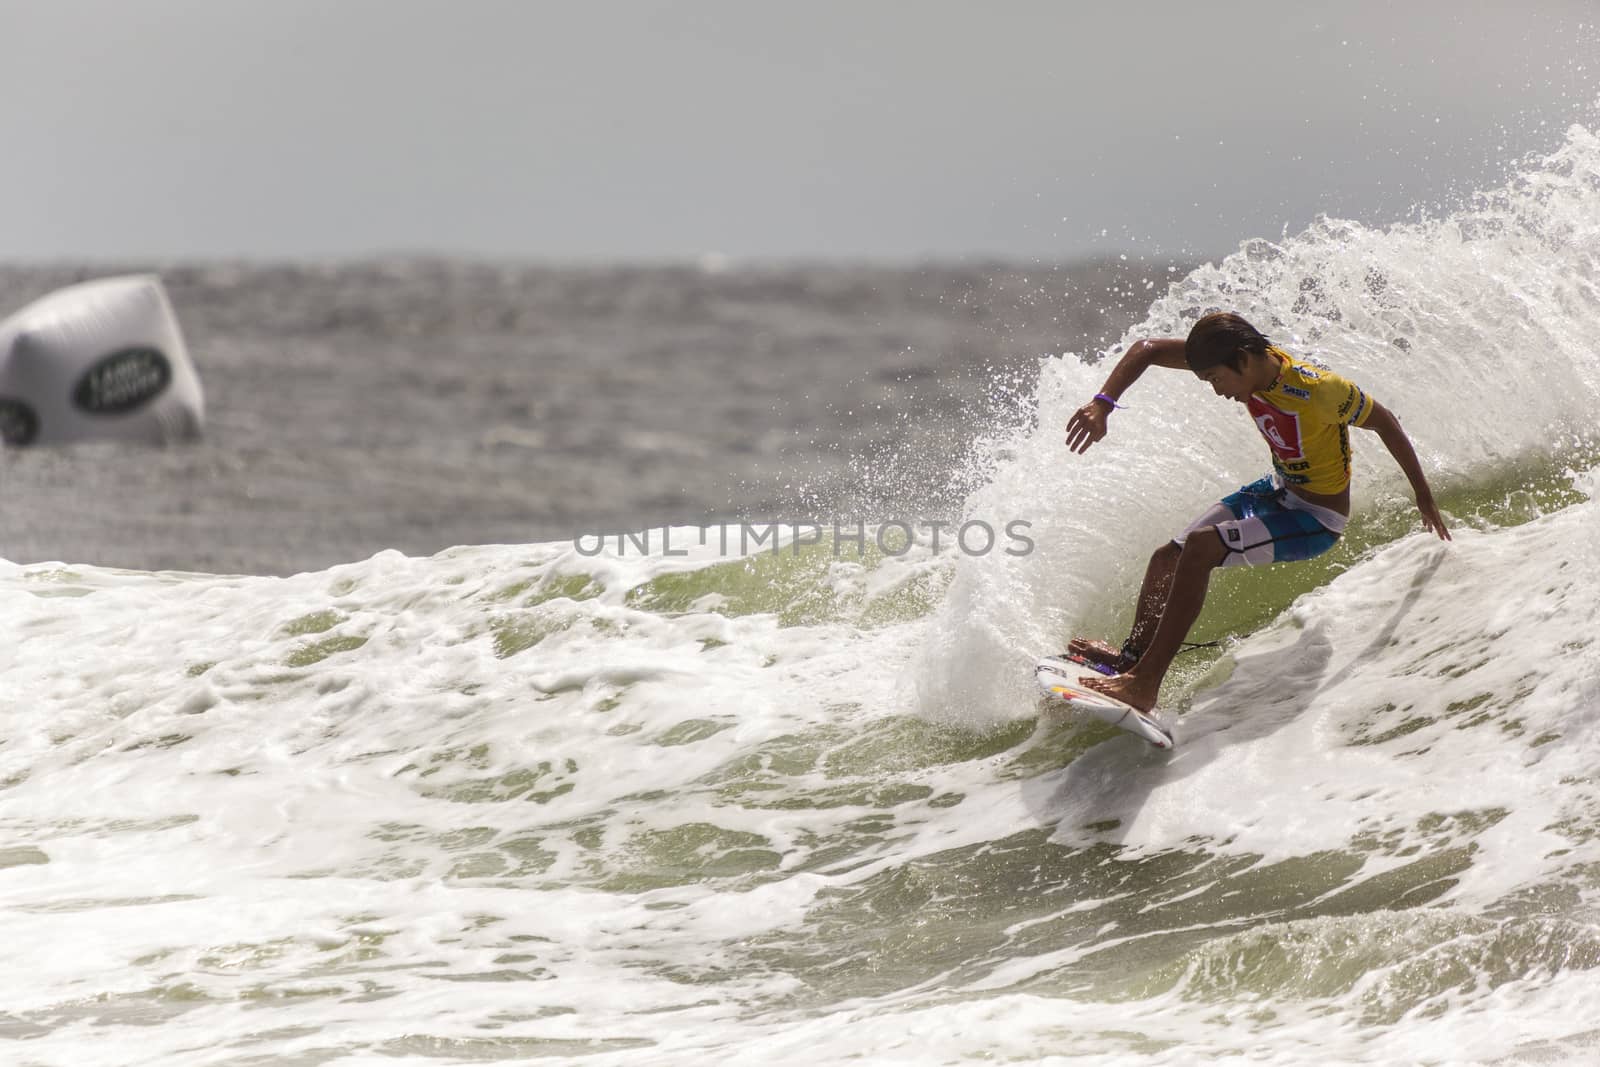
{"points": [[99, 361]]}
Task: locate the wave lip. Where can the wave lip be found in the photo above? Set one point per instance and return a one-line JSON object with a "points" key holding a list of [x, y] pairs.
{"points": [[1479, 329]]}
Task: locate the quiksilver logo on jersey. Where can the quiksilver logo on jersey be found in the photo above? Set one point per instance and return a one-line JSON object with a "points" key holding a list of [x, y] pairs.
{"points": [[122, 381], [19, 423], [1280, 428]]}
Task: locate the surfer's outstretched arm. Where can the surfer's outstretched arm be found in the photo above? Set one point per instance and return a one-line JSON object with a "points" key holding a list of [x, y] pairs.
{"points": [[1387, 427], [1088, 423]]}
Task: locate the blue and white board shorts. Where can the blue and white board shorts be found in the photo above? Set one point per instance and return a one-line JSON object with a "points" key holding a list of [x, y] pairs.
{"points": [[1265, 523]]}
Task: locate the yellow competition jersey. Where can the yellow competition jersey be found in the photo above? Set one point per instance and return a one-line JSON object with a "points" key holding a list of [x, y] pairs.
{"points": [[1305, 417]]}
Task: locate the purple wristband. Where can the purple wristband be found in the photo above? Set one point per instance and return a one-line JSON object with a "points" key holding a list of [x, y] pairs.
{"points": [[1108, 400]]}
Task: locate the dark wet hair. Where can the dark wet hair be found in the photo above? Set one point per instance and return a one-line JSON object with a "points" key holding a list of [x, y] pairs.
{"points": [[1222, 338]]}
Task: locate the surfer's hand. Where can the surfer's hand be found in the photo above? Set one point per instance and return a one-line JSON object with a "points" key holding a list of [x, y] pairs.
{"points": [[1431, 519], [1088, 425]]}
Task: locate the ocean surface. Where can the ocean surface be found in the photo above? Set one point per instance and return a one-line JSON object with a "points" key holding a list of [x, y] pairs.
{"points": [[325, 741], [423, 404]]}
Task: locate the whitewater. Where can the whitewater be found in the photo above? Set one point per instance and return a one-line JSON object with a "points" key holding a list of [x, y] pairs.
{"points": [[522, 802]]}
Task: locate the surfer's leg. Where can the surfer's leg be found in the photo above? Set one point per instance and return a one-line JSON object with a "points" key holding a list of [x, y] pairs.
{"points": [[1202, 553], [1158, 579], [1153, 596]]}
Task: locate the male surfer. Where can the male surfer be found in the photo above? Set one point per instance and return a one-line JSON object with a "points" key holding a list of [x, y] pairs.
{"points": [[1295, 513]]}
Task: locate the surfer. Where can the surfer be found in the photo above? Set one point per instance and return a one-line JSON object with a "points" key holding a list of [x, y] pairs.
{"points": [[1298, 511]]}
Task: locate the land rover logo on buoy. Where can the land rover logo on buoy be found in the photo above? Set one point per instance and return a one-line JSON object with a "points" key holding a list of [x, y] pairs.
{"points": [[19, 425], [122, 381]]}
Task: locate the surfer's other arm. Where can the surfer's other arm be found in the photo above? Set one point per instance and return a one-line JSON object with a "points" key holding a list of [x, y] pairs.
{"points": [[1387, 427], [1088, 423]]}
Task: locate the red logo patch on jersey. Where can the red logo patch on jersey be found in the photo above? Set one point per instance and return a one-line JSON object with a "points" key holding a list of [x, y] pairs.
{"points": [[1280, 428]]}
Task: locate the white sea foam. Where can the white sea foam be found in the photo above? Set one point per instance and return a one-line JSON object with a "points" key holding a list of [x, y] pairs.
{"points": [[338, 841]]}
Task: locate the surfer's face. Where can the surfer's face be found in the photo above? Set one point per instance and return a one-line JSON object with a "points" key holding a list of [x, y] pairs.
{"points": [[1226, 382]]}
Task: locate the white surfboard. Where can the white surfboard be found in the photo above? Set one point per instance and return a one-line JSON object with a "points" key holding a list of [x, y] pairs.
{"points": [[1059, 678]]}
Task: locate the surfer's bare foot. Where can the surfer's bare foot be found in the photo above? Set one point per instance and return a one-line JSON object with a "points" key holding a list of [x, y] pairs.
{"points": [[1126, 688], [1096, 652]]}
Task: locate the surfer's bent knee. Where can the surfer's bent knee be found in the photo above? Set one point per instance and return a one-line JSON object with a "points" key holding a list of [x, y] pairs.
{"points": [[1205, 549]]}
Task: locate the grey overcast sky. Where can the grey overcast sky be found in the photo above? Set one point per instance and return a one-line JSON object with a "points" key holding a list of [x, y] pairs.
{"points": [[649, 129]]}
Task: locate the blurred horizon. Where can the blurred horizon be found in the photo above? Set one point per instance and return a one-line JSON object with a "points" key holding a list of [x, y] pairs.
{"points": [[705, 263]]}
